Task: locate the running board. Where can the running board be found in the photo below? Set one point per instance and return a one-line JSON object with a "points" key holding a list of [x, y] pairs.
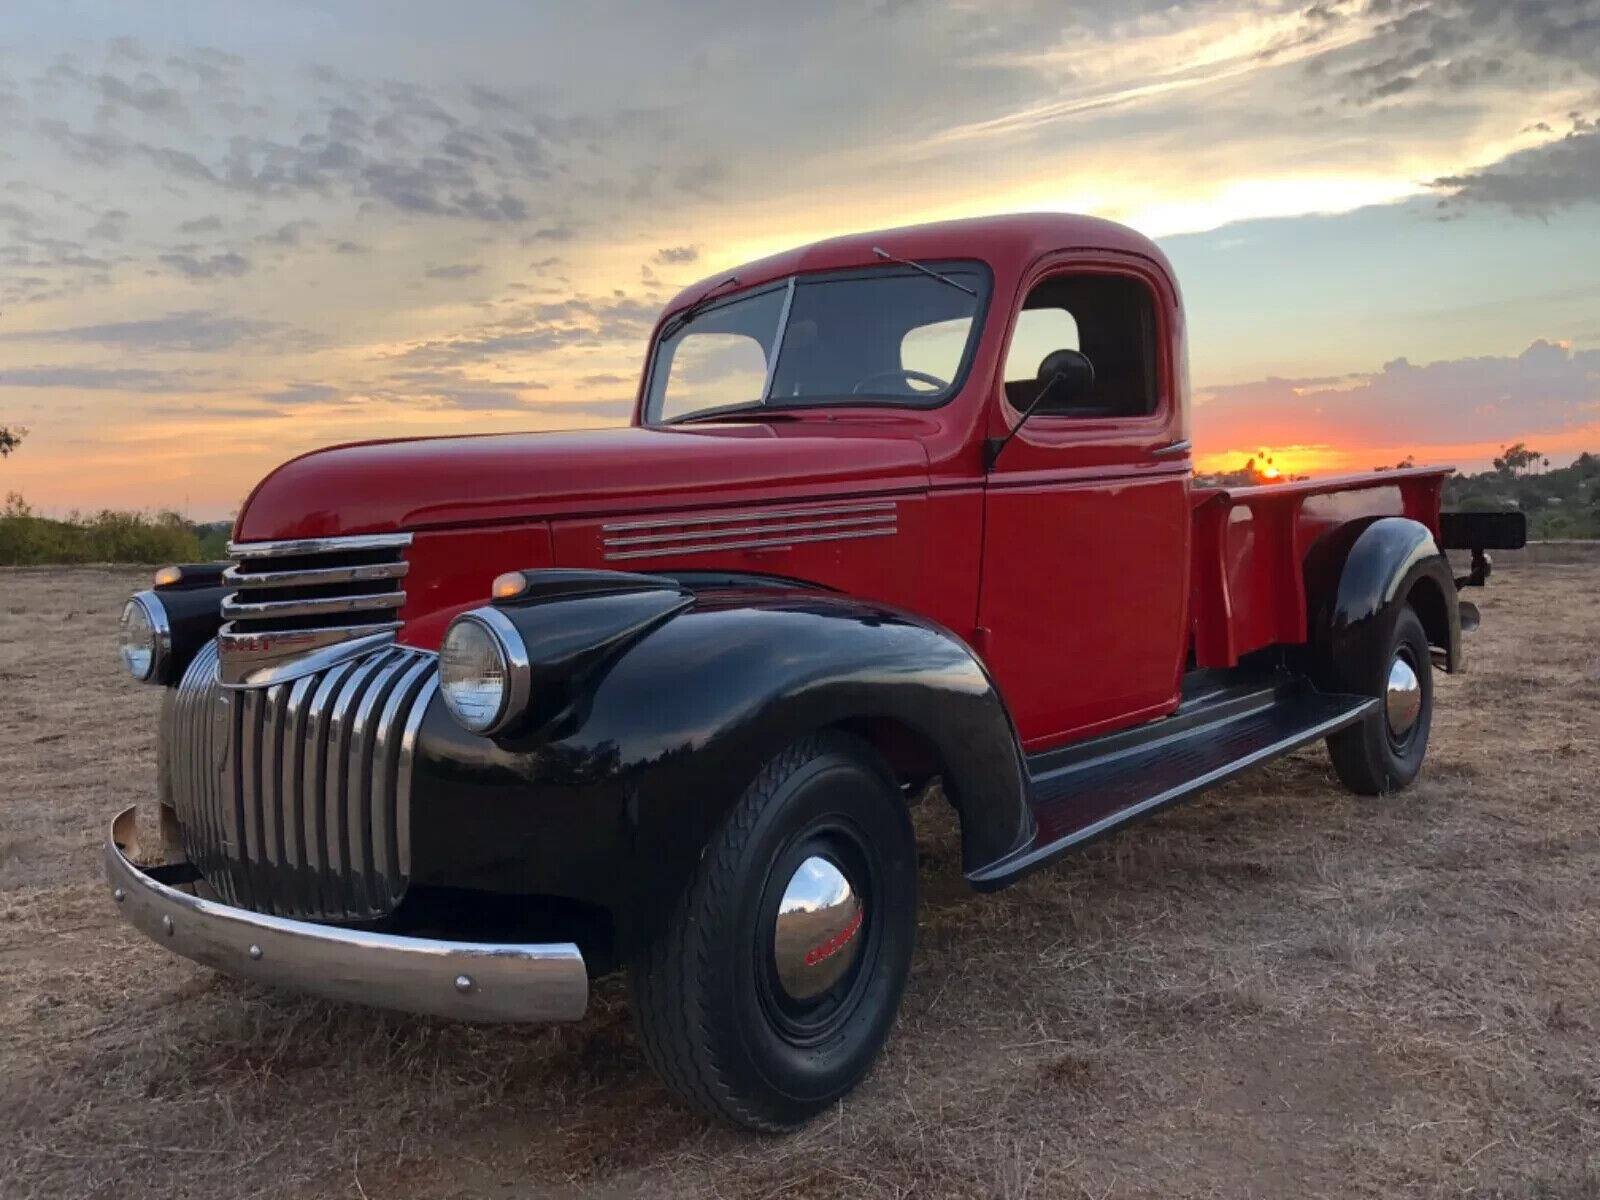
{"points": [[1087, 791]]}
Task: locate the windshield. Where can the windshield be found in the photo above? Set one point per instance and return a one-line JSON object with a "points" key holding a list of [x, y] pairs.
{"points": [[880, 335]]}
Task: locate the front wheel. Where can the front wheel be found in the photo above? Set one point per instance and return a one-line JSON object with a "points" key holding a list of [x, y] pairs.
{"points": [[1384, 752], [779, 975]]}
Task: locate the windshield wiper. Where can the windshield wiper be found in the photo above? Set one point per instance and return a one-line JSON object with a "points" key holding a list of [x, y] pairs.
{"points": [[686, 315], [748, 408], [928, 271]]}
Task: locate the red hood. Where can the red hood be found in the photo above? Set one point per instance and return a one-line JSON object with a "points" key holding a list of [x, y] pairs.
{"points": [[379, 486]]}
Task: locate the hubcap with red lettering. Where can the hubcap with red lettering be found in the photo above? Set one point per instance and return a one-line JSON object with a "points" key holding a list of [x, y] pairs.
{"points": [[814, 938], [817, 937]]}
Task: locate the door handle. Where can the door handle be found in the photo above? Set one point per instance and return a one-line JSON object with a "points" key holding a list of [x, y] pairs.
{"points": [[1173, 449]]}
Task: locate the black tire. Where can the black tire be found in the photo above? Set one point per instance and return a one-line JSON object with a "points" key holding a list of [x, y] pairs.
{"points": [[716, 1023], [1371, 758]]}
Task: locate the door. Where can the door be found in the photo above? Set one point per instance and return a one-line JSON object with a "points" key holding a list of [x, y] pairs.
{"points": [[1085, 583]]}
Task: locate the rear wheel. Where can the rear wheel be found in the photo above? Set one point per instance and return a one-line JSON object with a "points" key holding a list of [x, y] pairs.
{"points": [[779, 975], [1384, 752]]}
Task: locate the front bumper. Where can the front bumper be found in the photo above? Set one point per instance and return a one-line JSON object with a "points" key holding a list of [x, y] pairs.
{"points": [[468, 981]]}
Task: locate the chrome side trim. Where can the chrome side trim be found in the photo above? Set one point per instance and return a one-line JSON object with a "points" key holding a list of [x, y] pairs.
{"points": [[781, 543], [321, 545], [467, 981], [749, 529], [809, 510]]}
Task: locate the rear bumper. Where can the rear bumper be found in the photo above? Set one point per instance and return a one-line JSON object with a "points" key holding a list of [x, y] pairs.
{"points": [[468, 981]]}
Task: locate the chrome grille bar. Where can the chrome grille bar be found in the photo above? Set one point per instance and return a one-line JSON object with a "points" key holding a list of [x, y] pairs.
{"points": [[304, 604], [233, 609], [295, 798], [315, 576], [295, 547]]}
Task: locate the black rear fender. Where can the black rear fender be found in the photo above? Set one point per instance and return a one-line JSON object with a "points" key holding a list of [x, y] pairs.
{"points": [[1359, 573]]}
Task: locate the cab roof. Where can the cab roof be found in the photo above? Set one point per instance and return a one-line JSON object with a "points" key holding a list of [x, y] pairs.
{"points": [[1006, 243]]}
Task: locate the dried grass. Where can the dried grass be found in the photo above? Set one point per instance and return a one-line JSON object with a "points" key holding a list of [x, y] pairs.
{"points": [[1279, 990]]}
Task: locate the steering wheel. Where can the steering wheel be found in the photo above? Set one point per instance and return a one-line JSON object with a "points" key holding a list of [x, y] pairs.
{"points": [[903, 374]]}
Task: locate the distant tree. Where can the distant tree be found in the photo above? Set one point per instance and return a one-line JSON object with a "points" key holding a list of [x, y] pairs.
{"points": [[10, 439], [1516, 458]]}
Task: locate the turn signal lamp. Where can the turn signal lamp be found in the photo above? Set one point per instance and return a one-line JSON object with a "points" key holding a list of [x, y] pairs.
{"points": [[508, 586]]}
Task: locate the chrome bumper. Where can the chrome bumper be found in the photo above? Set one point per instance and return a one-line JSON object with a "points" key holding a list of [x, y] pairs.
{"points": [[469, 981]]}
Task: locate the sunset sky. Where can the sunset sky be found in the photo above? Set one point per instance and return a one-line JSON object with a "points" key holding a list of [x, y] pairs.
{"points": [[231, 232]]}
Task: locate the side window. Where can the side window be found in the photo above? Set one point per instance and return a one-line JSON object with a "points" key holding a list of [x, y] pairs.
{"points": [[1111, 320], [1039, 331]]}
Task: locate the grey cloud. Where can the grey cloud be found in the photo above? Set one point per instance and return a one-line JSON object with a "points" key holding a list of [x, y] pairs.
{"points": [[456, 389], [582, 321], [473, 154], [129, 49], [614, 411], [305, 393], [110, 225], [1538, 181], [455, 271], [1444, 47], [194, 331], [227, 264], [1548, 387], [349, 247], [30, 250], [210, 224], [191, 411], [288, 234], [101, 149], [178, 162], [674, 255], [125, 379], [146, 94]]}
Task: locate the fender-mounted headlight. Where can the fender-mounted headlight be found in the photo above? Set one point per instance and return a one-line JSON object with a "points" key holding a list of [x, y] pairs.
{"points": [[145, 638], [483, 671]]}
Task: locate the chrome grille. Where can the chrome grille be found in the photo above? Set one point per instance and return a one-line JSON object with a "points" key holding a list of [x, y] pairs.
{"points": [[301, 605], [295, 798]]}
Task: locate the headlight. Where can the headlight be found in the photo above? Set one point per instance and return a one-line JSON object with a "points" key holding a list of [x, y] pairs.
{"points": [[483, 671], [145, 639]]}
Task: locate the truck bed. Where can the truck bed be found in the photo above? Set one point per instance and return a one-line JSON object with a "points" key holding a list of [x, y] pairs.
{"points": [[1250, 545]]}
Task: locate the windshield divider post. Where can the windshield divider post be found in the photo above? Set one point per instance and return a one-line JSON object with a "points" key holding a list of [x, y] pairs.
{"points": [[777, 341]]}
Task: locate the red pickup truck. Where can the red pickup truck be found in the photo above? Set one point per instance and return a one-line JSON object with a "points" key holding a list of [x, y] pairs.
{"points": [[467, 721]]}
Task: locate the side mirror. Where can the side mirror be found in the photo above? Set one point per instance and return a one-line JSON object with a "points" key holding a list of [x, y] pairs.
{"points": [[1065, 373], [1062, 371]]}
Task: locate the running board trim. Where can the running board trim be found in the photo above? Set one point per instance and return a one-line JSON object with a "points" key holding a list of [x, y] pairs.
{"points": [[1333, 713]]}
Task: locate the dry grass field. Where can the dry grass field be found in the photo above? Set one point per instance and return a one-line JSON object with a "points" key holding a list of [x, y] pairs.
{"points": [[1279, 991]]}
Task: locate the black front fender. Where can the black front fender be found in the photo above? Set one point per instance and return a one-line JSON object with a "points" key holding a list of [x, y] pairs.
{"points": [[611, 802]]}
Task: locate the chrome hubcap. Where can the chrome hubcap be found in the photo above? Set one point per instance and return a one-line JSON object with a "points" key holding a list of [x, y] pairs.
{"points": [[814, 935], [1403, 703]]}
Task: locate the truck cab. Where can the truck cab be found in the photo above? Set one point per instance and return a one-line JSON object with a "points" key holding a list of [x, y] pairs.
{"points": [[469, 720]]}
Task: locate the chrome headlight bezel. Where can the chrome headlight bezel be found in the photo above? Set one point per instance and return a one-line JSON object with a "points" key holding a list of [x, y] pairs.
{"points": [[160, 637], [515, 671]]}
